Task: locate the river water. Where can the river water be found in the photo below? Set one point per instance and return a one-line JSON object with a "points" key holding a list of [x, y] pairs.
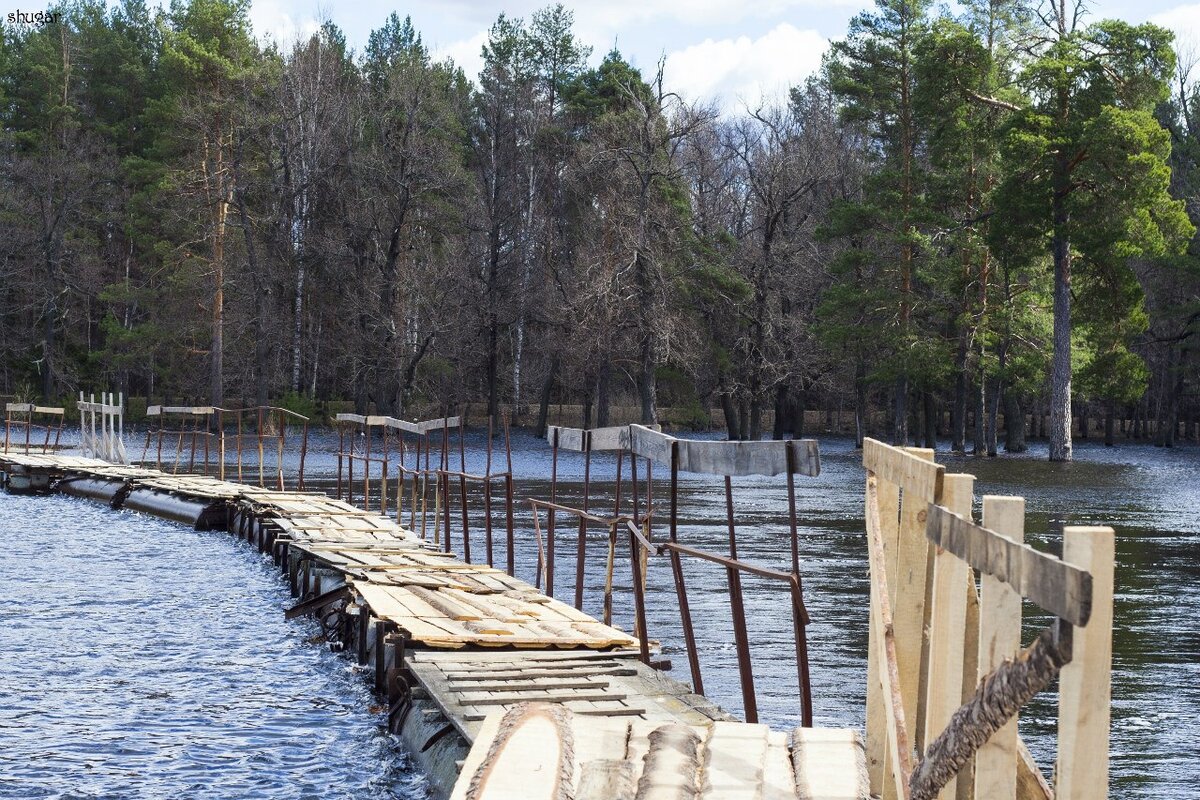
{"points": [[139, 659]]}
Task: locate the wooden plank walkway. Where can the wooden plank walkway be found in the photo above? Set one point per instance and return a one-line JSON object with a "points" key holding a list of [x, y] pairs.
{"points": [[469, 650]]}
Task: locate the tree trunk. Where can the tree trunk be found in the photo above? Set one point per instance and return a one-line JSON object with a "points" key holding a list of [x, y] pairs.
{"points": [[602, 386], [1060, 371], [1110, 424], [860, 404], [799, 408], [900, 416], [732, 431], [930, 421], [544, 400], [782, 417], [1014, 423], [980, 444], [958, 412], [259, 288], [755, 417], [744, 420], [993, 413]]}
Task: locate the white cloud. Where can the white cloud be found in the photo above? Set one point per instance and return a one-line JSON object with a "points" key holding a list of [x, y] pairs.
{"points": [[272, 22], [745, 70], [466, 53], [614, 15]]}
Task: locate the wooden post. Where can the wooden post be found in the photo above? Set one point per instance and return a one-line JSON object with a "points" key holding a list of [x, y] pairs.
{"points": [[947, 625], [877, 736], [999, 638], [1085, 685]]}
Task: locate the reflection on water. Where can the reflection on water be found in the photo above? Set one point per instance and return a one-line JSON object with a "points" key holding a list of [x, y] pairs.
{"points": [[139, 659], [273, 695]]}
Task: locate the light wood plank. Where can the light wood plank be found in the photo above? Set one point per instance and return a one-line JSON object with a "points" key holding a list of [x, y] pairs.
{"points": [[1085, 685], [947, 625], [999, 639], [1060, 588], [829, 764]]}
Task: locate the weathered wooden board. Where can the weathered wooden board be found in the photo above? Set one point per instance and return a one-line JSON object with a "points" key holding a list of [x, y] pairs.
{"points": [[1060, 588], [727, 458], [829, 764], [914, 475]]}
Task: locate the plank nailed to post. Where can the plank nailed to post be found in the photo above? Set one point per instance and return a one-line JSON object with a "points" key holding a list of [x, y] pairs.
{"points": [[1062, 589]]}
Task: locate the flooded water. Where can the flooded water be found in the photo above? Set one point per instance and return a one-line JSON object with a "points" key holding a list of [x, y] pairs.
{"points": [[145, 660], [139, 659]]}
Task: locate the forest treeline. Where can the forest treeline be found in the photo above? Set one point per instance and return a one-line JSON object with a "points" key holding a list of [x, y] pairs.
{"points": [[969, 221]]}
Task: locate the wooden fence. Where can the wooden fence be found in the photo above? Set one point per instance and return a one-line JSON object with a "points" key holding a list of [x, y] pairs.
{"points": [[946, 672]]}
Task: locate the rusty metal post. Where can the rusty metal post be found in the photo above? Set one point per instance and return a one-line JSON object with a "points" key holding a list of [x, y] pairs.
{"points": [[639, 598], [799, 629], [685, 613], [445, 476], [462, 488], [341, 426], [367, 466], [581, 550], [261, 474], [239, 444], [508, 499], [350, 471], [303, 454], [487, 498], [550, 515], [742, 640]]}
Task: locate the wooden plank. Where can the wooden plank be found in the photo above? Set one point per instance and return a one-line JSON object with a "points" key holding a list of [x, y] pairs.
{"points": [[895, 765], [727, 458], [1085, 685], [531, 684], [907, 588], [883, 497], [829, 764], [919, 476], [1060, 588], [999, 639], [539, 674], [672, 764], [533, 696], [735, 762], [947, 625], [779, 775], [607, 779], [479, 750], [528, 758]]}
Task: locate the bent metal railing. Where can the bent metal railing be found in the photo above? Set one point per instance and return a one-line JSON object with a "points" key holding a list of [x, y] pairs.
{"points": [[390, 433], [608, 440], [26, 418], [730, 459], [947, 677], [225, 442]]}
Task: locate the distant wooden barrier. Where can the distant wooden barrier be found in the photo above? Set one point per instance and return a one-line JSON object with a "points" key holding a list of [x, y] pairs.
{"points": [[946, 672], [240, 441], [105, 440], [389, 433], [25, 418]]}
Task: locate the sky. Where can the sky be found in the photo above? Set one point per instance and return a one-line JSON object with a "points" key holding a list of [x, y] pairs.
{"points": [[734, 53]]}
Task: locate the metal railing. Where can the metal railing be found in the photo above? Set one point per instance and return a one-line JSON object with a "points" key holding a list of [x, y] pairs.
{"points": [[24, 417], [424, 471], [208, 437], [729, 459]]}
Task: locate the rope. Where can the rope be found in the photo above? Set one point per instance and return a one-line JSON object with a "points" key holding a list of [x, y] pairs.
{"points": [[998, 698]]}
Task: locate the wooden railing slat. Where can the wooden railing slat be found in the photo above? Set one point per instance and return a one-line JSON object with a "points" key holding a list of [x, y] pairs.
{"points": [[1060, 588]]}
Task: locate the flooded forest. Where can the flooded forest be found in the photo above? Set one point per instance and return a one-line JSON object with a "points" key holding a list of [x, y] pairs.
{"points": [[978, 227]]}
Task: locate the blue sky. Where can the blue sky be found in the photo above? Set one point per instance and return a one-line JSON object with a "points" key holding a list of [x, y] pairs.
{"points": [[726, 51]]}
